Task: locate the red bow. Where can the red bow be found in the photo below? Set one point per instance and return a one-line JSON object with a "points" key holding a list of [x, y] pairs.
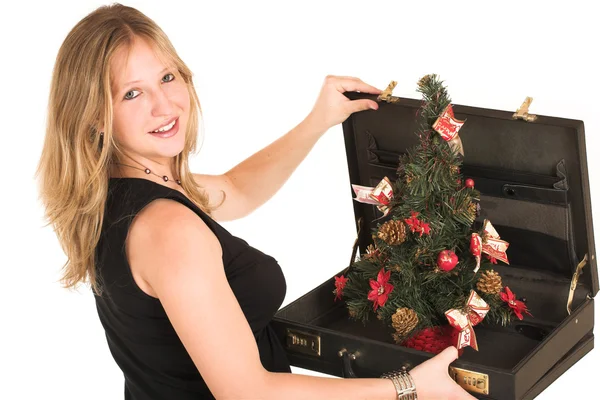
{"points": [[381, 195], [491, 245], [446, 125], [464, 322]]}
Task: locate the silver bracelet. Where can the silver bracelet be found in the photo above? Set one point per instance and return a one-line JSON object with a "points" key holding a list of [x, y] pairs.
{"points": [[404, 384]]}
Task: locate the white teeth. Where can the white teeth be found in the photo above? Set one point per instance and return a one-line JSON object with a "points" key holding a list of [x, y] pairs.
{"points": [[166, 127]]}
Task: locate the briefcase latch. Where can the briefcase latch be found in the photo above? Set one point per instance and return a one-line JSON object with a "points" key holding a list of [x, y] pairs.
{"points": [[470, 380], [303, 342], [523, 111], [574, 280], [386, 95]]}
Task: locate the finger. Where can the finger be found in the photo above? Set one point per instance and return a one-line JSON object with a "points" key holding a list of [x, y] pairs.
{"points": [[449, 354], [361, 105], [351, 84]]}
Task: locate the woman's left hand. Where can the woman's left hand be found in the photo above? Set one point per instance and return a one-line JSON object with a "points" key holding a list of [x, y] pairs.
{"points": [[332, 107]]}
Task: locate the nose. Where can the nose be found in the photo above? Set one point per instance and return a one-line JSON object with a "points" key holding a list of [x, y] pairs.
{"points": [[162, 104]]}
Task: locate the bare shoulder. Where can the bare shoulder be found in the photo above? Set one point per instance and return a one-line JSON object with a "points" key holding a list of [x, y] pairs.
{"points": [[161, 225], [179, 259]]}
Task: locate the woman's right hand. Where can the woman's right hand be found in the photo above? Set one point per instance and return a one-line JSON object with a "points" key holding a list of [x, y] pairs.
{"points": [[433, 381]]}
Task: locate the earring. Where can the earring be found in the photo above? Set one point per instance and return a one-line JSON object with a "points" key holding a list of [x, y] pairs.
{"points": [[101, 133]]}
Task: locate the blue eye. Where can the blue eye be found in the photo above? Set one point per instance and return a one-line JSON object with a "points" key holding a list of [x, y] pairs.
{"points": [[170, 79], [127, 97]]}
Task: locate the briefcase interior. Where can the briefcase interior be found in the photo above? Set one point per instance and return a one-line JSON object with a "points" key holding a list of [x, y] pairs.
{"points": [[533, 178]]}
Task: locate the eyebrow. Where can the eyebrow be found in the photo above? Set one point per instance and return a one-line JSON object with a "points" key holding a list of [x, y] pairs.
{"points": [[129, 83]]}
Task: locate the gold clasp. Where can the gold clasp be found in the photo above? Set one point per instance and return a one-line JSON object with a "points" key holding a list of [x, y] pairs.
{"points": [[386, 95], [523, 111], [470, 380], [574, 282], [303, 342]]}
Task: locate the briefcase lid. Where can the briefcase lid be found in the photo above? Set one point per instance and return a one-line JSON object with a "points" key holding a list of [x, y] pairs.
{"points": [[540, 163]]}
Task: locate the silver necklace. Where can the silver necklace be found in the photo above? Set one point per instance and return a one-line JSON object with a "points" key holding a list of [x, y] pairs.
{"points": [[147, 171]]}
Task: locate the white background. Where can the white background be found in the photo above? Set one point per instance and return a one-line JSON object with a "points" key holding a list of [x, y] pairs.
{"points": [[258, 69]]}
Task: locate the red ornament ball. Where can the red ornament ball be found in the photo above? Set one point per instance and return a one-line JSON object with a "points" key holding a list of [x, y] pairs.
{"points": [[447, 260], [470, 183]]}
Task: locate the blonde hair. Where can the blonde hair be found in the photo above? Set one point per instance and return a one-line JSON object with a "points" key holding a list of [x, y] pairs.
{"points": [[73, 171]]}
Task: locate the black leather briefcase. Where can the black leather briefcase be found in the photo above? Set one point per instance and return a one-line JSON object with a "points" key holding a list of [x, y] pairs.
{"points": [[533, 178]]}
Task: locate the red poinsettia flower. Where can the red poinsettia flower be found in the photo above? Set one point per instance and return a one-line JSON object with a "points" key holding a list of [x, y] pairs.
{"points": [[413, 222], [517, 306], [416, 225], [381, 289], [340, 283], [424, 228]]}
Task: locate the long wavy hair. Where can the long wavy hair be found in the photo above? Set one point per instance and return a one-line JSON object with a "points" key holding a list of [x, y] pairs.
{"points": [[73, 171]]}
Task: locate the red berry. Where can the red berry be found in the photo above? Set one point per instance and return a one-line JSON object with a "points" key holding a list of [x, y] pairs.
{"points": [[470, 183]]}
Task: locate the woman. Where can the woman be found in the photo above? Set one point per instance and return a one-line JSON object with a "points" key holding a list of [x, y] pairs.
{"points": [[141, 228]]}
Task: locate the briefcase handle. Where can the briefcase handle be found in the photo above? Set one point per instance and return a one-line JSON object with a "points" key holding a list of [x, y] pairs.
{"points": [[347, 359]]}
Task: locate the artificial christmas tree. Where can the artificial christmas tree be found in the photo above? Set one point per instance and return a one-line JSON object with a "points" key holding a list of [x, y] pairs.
{"points": [[428, 254]]}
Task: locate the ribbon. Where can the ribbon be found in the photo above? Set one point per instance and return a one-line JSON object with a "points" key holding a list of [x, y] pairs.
{"points": [[476, 247], [492, 244], [448, 126], [463, 321], [381, 195]]}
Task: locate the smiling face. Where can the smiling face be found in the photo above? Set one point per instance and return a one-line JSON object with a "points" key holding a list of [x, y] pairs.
{"points": [[148, 94]]}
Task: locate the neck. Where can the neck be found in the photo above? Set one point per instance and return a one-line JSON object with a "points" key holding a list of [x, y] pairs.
{"points": [[134, 167]]}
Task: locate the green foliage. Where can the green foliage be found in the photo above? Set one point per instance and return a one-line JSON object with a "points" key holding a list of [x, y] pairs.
{"points": [[429, 183]]}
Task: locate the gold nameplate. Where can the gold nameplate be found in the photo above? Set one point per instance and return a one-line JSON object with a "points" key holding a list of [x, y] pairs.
{"points": [[471, 380], [303, 342]]}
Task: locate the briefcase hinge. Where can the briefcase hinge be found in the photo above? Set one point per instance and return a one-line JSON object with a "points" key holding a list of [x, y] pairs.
{"points": [[523, 111], [470, 380], [574, 282], [386, 95]]}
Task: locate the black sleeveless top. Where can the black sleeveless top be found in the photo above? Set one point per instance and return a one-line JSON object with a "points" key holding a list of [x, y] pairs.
{"points": [[141, 338]]}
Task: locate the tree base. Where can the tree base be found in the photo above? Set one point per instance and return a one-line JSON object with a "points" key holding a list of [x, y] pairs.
{"points": [[433, 340]]}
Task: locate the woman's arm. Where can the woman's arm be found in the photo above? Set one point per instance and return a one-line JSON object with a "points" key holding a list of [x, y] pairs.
{"points": [[256, 179], [180, 258]]}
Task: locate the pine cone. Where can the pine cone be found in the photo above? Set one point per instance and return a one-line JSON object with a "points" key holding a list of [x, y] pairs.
{"points": [[424, 81], [490, 282], [393, 232], [371, 252], [404, 321]]}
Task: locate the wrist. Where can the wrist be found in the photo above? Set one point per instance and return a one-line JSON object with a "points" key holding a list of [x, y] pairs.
{"points": [[404, 384], [314, 125]]}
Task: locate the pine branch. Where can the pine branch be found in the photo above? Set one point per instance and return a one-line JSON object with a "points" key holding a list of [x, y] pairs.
{"points": [[428, 187]]}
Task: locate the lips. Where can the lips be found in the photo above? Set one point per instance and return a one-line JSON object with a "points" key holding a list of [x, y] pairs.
{"points": [[167, 134], [163, 124]]}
